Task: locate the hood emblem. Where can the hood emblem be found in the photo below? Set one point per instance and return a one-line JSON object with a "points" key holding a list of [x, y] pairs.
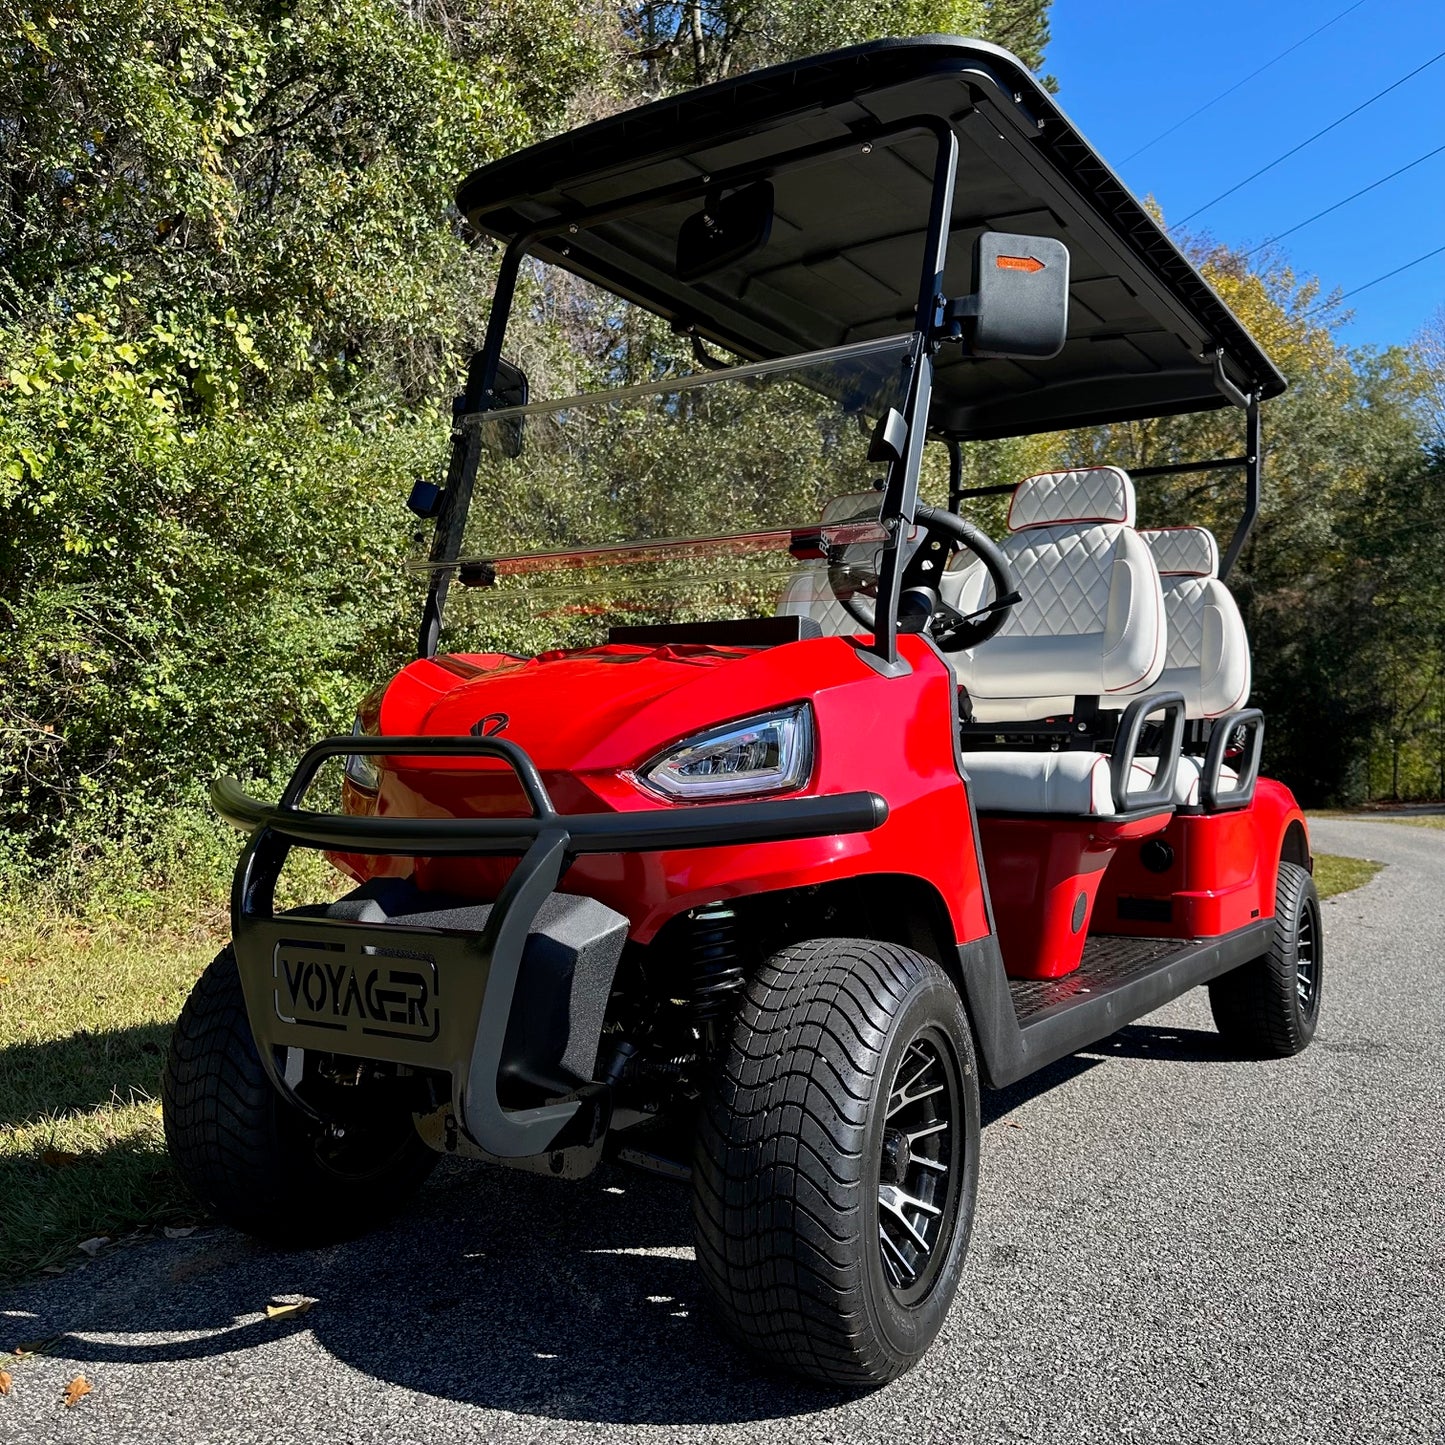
{"points": [[491, 725]]}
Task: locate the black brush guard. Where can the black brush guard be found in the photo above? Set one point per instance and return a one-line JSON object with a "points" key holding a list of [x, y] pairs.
{"points": [[399, 1020]]}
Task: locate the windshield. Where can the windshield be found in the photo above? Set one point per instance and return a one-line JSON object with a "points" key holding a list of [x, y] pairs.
{"points": [[697, 498]]}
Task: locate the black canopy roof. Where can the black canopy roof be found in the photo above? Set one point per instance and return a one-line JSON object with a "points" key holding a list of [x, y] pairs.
{"points": [[844, 257]]}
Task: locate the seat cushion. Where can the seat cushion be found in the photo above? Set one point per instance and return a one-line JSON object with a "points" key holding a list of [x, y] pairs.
{"points": [[1034, 781], [1187, 780], [1091, 622]]}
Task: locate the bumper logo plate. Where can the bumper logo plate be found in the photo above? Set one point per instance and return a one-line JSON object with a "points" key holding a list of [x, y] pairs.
{"points": [[383, 997]]}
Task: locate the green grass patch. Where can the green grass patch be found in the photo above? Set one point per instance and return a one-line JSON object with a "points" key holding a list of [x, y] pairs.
{"points": [[1334, 874], [87, 1002], [85, 1017], [1382, 815]]}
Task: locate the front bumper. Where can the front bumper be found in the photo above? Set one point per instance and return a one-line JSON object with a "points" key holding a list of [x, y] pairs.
{"points": [[471, 990]]}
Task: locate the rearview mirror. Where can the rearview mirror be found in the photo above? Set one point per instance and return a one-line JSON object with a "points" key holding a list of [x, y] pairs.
{"points": [[1021, 307], [509, 389], [725, 230]]}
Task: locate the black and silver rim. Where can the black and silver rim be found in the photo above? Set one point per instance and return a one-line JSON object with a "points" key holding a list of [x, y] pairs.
{"points": [[1307, 963], [919, 1165]]}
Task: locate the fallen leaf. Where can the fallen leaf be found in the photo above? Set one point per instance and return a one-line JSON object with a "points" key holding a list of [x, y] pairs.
{"points": [[93, 1247], [285, 1312], [1015, 1126], [4, 1382], [179, 1232], [76, 1391], [52, 1269], [59, 1158]]}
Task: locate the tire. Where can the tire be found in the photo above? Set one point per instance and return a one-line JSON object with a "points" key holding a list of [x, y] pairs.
{"points": [[795, 1163], [1269, 1008], [259, 1162]]}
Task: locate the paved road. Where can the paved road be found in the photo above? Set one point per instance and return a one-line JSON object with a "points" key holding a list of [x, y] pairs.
{"points": [[1170, 1246]]}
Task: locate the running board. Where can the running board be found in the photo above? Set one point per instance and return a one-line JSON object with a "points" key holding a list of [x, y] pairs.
{"points": [[1024, 1024]]}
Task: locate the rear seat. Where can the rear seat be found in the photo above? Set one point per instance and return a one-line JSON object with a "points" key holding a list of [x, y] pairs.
{"points": [[1207, 658]]}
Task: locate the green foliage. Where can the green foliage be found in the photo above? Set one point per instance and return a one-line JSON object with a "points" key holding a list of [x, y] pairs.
{"points": [[181, 588], [234, 301], [689, 44], [1340, 581]]}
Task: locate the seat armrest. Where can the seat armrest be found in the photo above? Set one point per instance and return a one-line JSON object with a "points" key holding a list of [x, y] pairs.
{"points": [[1126, 746], [1211, 798]]}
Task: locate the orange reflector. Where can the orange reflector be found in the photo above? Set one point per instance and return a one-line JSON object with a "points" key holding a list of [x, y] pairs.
{"points": [[1019, 263]]}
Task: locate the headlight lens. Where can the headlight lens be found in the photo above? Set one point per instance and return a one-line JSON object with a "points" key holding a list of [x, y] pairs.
{"points": [[361, 768], [772, 753]]}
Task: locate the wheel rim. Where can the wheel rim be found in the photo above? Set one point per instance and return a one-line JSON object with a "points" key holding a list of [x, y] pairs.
{"points": [[1307, 963], [919, 1163]]}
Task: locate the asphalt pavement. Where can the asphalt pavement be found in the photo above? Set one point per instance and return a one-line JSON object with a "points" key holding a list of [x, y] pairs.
{"points": [[1171, 1246]]}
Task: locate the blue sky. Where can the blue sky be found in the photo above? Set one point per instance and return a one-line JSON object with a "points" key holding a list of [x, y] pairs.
{"points": [[1129, 69]]}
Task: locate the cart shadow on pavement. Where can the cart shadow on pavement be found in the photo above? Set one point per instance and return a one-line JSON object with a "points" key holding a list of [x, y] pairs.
{"points": [[499, 1289], [502, 1290]]}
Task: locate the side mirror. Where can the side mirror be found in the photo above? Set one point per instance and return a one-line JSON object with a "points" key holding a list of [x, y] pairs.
{"points": [[1021, 307], [509, 389], [725, 230]]}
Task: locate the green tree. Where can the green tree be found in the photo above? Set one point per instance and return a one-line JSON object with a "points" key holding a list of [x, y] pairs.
{"points": [[234, 297]]}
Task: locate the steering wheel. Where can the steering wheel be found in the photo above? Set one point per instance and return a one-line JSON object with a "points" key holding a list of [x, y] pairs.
{"points": [[919, 605]]}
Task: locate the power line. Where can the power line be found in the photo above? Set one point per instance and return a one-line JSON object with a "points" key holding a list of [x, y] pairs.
{"points": [[1335, 300], [1252, 74], [1374, 185], [1294, 150]]}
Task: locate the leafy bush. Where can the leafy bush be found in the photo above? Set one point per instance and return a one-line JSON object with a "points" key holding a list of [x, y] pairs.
{"points": [[184, 586]]}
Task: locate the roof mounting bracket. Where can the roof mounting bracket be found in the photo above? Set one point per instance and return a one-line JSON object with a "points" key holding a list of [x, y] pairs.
{"points": [[1224, 385]]}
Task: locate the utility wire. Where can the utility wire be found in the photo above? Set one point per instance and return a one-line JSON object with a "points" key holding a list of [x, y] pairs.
{"points": [[1223, 93], [1295, 150], [1355, 291], [1374, 185]]}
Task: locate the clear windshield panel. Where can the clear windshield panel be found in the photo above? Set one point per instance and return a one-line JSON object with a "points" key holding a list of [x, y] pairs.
{"points": [[722, 495], [527, 602]]}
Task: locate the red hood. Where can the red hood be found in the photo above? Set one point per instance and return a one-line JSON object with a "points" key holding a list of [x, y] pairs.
{"points": [[559, 706]]}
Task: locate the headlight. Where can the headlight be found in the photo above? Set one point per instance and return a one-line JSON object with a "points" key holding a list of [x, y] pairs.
{"points": [[768, 754], [361, 768]]}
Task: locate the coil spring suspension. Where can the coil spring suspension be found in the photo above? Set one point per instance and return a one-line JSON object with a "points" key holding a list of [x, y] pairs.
{"points": [[717, 972]]}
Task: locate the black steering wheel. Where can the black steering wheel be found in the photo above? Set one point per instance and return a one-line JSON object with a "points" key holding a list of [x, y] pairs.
{"points": [[920, 607]]}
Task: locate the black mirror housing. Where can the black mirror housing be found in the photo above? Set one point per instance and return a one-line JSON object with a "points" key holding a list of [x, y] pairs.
{"points": [[1021, 307], [510, 388], [725, 230]]}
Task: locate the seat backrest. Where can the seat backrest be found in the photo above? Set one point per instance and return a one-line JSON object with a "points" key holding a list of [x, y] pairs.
{"points": [[1207, 658], [1091, 618]]}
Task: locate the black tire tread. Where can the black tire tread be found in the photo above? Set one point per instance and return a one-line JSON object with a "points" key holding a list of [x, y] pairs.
{"points": [[791, 1103], [226, 1130], [1254, 1005]]}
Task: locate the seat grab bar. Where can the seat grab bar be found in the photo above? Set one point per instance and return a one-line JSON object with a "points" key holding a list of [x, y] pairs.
{"points": [[1126, 747], [1211, 798]]}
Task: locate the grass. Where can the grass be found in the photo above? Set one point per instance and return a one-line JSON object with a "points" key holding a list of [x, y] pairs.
{"points": [[86, 1009], [1382, 815], [1334, 874], [85, 1015]]}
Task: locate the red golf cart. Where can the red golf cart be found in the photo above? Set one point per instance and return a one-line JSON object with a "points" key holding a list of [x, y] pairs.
{"points": [[822, 808]]}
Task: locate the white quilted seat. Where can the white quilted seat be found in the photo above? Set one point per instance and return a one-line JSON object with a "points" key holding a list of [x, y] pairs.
{"points": [[1207, 658], [1090, 623], [1091, 619]]}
